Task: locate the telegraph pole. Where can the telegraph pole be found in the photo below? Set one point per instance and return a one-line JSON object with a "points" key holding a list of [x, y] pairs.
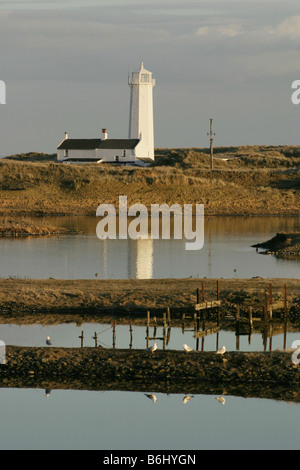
{"points": [[211, 134]]}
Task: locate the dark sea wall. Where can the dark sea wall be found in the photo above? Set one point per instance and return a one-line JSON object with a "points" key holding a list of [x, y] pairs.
{"points": [[173, 367]]}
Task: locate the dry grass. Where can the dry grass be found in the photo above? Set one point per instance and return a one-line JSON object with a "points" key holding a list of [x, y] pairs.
{"points": [[20, 297], [253, 181], [24, 227]]}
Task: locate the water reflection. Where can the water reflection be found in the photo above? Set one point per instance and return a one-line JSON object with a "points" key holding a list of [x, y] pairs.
{"points": [[226, 253], [265, 336], [90, 419]]}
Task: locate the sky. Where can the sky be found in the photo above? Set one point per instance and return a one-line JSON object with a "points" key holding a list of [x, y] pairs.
{"points": [[65, 65]]}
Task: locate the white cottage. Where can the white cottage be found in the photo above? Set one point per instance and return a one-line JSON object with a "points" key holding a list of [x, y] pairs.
{"points": [[138, 149]]}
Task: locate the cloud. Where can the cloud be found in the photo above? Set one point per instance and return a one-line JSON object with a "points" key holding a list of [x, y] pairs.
{"points": [[288, 29], [227, 30]]}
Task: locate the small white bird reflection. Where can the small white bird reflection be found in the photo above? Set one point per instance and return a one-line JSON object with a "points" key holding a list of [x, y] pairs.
{"points": [[187, 398], [153, 348], [187, 348], [221, 400], [48, 341], [152, 397]]}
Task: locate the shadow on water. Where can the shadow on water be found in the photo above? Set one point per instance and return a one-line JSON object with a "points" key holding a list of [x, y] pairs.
{"points": [[267, 391]]}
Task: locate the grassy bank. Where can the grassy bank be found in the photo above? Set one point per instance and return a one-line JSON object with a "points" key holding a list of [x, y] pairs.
{"points": [[21, 297], [245, 181], [25, 228]]}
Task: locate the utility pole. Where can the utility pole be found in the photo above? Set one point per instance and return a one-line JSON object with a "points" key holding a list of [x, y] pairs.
{"points": [[211, 134]]}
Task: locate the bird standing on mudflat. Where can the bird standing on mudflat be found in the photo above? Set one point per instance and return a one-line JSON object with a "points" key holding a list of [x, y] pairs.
{"points": [[153, 348], [187, 348], [222, 351]]}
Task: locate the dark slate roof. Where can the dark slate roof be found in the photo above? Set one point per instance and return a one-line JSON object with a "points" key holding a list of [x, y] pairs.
{"points": [[90, 144], [118, 144], [80, 144]]}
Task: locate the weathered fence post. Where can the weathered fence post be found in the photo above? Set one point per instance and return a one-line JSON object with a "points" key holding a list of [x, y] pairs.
{"points": [[114, 335], [169, 316], [81, 337], [250, 319], [130, 331], [95, 338], [285, 301]]}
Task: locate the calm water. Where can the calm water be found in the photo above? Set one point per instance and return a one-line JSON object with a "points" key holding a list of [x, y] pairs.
{"points": [[69, 419], [129, 420], [67, 335], [226, 253]]}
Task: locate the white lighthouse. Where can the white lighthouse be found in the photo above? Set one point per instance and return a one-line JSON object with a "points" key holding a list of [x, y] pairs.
{"points": [[141, 112], [138, 149]]}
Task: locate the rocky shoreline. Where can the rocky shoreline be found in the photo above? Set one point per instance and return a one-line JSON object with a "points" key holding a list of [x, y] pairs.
{"points": [[172, 368], [283, 245]]}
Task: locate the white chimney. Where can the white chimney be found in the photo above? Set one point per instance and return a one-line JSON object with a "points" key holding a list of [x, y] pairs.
{"points": [[66, 135], [104, 134]]}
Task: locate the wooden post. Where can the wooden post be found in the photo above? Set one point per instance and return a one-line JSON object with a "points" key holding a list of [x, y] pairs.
{"points": [[237, 327], [164, 337], [198, 295], [169, 316], [155, 327], [250, 319], [95, 338], [164, 319], [114, 335], [147, 336], [211, 133], [285, 301], [237, 341], [238, 315], [203, 293], [81, 337], [130, 331], [148, 318], [266, 307], [168, 335]]}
